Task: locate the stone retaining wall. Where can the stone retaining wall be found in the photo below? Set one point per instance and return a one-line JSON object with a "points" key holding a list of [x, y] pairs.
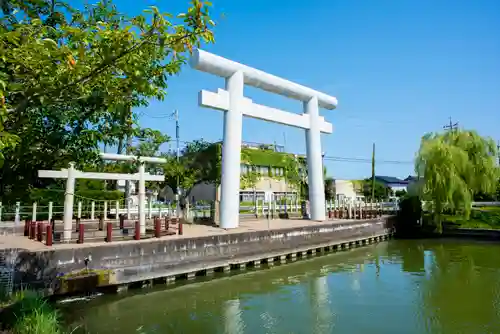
{"points": [[115, 264]]}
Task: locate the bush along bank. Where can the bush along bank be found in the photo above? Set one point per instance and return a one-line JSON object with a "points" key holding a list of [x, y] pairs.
{"points": [[27, 312], [414, 222], [480, 218], [409, 218]]}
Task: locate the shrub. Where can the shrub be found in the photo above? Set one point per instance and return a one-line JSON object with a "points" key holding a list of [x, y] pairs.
{"points": [[410, 209]]}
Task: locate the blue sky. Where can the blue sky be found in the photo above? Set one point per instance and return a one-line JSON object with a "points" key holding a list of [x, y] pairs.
{"points": [[399, 68]]}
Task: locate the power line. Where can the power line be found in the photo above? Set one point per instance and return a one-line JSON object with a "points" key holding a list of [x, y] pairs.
{"points": [[451, 126], [366, 160]]}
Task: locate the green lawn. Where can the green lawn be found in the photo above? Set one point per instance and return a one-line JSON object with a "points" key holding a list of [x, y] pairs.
{"points": [[480, 217]]}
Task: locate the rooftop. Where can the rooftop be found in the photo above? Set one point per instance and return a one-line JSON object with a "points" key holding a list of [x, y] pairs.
{"points": [[390, 179]]}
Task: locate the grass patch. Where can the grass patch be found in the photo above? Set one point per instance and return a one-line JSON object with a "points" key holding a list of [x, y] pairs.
{"points": [[29, 313], [481, 218]]}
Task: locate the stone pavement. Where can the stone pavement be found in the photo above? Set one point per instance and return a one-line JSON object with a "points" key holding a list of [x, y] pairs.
{"points": [[189, 231]]}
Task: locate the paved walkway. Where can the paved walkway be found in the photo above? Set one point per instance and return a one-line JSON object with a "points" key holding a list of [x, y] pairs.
{"points": [[189, 231]]}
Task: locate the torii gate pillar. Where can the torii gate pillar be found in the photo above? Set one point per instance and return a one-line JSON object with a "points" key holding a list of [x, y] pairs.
{"points": [[235, 105], [231, 153], [315, 162]]}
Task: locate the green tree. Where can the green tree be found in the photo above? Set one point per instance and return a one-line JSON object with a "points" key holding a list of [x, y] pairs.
{"points": [[66, 76], [400, 193], [199, 162], [380, 192], [330, 190], [455, 165]]}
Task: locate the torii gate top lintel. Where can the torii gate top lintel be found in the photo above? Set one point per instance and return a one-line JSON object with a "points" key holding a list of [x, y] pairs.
{"points": [[219, 66]]}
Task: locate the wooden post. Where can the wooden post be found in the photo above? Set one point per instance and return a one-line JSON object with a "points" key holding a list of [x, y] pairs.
{"points": [[150, 208], [33, 230], [17, 217], [105, 211], [39, 232], [181, 228], [109, 232], [167, 223], [33, 214], [137, 231], [49, 218], [79, 210], [27, 226], [122, 222], [117, 208], [101, 222], [48, 236], [81, 234], [128, 207], [157, 227]]}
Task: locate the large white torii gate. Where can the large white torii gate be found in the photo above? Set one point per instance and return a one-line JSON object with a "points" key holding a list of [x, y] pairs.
{"points": [[235, 105]]}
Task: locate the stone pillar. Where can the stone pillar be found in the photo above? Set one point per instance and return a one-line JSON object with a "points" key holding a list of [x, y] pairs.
{"points": [[314, 161], [231, 153]]}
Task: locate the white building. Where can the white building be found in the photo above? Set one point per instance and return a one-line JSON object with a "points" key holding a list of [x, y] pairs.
{"points": [[346, 190]]}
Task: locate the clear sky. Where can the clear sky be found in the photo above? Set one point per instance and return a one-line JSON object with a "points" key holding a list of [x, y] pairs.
{"points": [[399, 68]]}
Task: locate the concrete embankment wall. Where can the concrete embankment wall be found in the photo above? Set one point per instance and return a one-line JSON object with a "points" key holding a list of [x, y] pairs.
{"points": [[474, 233], [71, 270]]}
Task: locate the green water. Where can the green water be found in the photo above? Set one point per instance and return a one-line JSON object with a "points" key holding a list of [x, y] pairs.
{"points": [[399, 287]]}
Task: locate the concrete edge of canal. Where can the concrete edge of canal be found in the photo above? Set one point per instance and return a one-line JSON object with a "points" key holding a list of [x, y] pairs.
{"points": [[118, 267]]}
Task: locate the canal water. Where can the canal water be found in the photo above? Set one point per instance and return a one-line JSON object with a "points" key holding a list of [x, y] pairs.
{"points": [[399, 286]]}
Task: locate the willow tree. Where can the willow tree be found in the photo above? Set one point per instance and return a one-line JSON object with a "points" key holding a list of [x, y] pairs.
{"points": [[455, 166]]}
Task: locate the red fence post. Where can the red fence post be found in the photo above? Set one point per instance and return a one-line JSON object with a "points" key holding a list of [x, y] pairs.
{"points": [[181, 228], [109, 232], [27, 225], [39, 231], [137, 232], [330, 214], [32, 230], [122, 222], [81, 234], [157, 227], [48, 236], [167, 224]]}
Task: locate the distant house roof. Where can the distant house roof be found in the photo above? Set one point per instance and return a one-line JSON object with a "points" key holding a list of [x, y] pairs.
{"points": [[411, 178], [390, 179]]}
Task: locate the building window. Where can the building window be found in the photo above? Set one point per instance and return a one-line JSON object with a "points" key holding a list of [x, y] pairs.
{"points": [[277, 171], [264, 170], [250, 196], [243, 169]]}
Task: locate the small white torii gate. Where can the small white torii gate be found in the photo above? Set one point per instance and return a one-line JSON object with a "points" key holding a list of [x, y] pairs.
{"points": [[71, 174], [235, 105]]}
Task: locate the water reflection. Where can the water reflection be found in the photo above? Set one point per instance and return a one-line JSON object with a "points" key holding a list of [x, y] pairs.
{"points": [[233, 322], [395, 287], [322, 312]]}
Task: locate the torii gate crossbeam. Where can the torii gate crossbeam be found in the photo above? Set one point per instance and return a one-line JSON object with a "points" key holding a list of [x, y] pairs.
{"points": [[235, 105]]}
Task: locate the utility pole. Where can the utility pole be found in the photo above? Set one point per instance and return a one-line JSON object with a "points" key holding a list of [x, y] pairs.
{"points": [[177, 196], [373, 172], [451, 126]]}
